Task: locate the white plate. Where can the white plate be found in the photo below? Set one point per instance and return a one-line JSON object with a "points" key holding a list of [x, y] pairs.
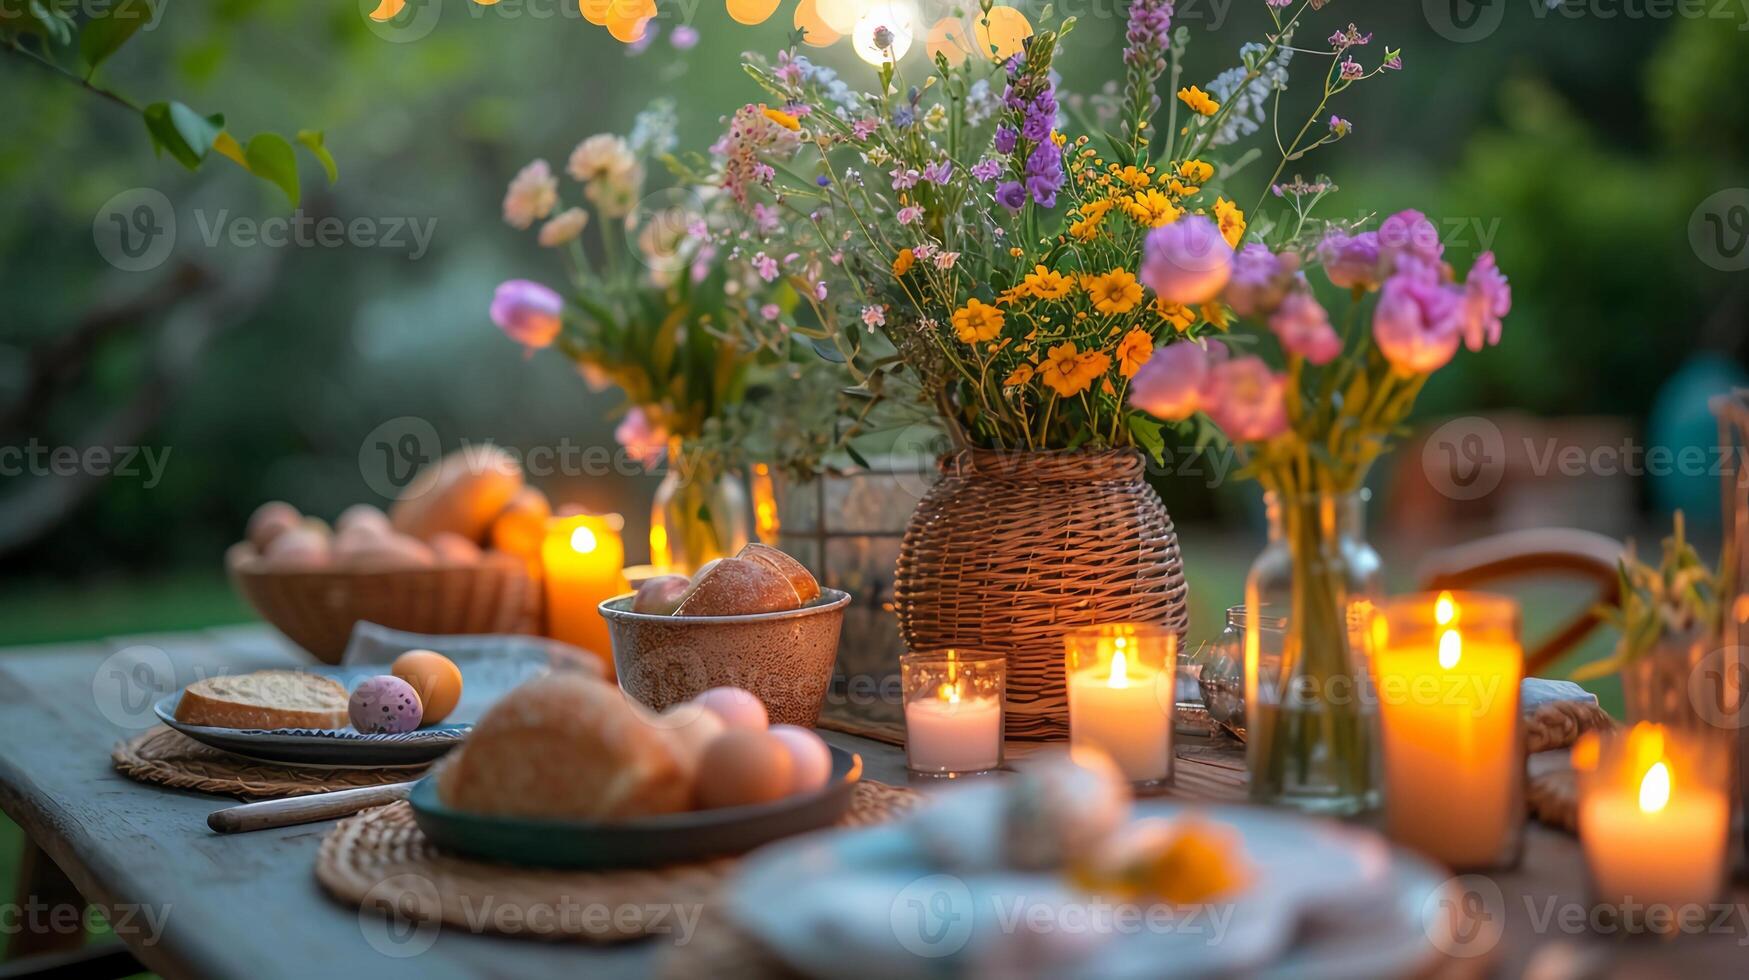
{"points": [[1325, 900]]}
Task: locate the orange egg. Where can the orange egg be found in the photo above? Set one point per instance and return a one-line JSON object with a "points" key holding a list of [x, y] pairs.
{"points": [[741, 768], [435, 677]]}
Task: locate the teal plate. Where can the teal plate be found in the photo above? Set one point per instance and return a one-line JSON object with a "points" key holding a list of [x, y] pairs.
{"points": [[672, 838]]}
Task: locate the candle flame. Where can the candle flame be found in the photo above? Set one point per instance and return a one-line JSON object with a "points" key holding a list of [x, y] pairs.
{"points": [[583, 540], [1655, 788], [1119, 676], [1444, 609], [949, 693], [1451, 647]]}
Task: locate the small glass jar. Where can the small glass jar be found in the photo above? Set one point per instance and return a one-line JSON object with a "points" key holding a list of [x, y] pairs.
{"points": [[1222, 677], [1123, 683], [953, 712]]}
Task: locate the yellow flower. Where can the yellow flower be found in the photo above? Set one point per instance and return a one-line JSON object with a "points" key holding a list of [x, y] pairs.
{"points": [[1195, 171], [1178, 188], [1134, 177], [782, 118], [1059, 138], [1151, 209], [1115, 292], [1215, 314], [1019, 376], [1093, 213], [1048, 283], [1133, 351], [1231, 220], [903, 262], [977, 321], [1198, 100], [1178, 315], [1069, 372]]}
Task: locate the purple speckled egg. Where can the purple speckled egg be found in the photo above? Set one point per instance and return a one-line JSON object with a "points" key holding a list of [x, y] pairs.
{"points": [[385, 705]]}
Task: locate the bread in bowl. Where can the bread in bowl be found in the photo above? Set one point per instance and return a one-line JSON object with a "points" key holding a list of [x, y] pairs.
{"points": [[737, 587], [803, 581]]}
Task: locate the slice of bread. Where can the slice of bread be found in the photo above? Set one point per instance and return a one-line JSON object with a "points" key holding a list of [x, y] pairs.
{"points": [[266, 699]]}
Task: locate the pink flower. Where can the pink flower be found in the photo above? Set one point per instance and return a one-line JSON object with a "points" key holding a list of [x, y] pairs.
{"points": [[874, 316], [770, 311], [532, 194], [1247, 400], [1187, 262], [643, 442], [765, 266], [904, 179], [863, 128], [1416, 322], [922, 251], [945, 260], [1487, 298], [910, 215], [1351, 261], [1304, 329], [527, 312], [1410, 233], [1171, 385], [1260, 279]]}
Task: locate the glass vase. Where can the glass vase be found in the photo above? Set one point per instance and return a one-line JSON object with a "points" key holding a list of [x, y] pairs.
{"points": [[1312, 735], [700, 514]]}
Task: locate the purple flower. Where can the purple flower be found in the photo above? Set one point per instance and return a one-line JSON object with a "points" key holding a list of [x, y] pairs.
{"points": [[904, 179], [862, 129], [1395, 61], [1410, 233], [1148, 34], [1044, 190], [1171, 384], [1036, 128], [1350, 38], [1340, 126], [904, 116], [938, 172], [683, 37], [1187, 262], [1416, 322], [1351, 261], [823, 181], [1304, 328], [1260, 279], [1487, 298], [1350, 69], [1006, 139], [1045, 160], [987, 169], [527, 312], [1011, 195]]}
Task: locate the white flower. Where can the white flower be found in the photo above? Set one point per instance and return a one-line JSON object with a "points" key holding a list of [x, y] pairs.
{"points": [[601, 155], [532, 194], [564, 227]]}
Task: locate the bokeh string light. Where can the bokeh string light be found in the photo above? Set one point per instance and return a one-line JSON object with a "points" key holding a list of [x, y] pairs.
{"points": [[824, 23]]}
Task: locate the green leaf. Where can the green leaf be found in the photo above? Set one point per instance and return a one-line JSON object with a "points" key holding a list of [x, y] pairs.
{"points": [[104, 36], [1148, 435], [856, 457], [312, 140], [271, 158], [182, 132]]}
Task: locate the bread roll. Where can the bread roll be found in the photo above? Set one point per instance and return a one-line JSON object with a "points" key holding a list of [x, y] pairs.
{"points": [[523, 525], [567, 747], [463, 493], [737, 587], [800, 579]]}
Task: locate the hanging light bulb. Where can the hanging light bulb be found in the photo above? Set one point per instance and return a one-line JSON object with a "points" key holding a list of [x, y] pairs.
{"points": [[884, 32]]}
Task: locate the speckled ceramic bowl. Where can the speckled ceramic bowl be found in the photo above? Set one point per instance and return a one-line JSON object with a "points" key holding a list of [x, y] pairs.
{"points": [[784, 658]]}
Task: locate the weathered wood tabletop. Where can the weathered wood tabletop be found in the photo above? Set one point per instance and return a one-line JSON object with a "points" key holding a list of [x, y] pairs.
{"points": [[190, 903]]}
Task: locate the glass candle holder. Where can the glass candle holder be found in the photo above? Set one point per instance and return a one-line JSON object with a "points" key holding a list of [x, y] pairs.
{"points": [[1122, 682], [1654, 820], [953, 711], [1447, 668]]}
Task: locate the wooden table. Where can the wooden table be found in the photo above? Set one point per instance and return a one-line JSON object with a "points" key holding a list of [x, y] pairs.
{"points": [[189, 903]]}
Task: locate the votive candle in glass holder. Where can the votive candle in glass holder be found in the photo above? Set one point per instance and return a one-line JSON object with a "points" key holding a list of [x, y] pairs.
{"points": [[1447, 668], [953, 711], [1654, 820], [1123, 682]]}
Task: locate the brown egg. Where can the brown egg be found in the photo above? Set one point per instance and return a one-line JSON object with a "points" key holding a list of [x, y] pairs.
{"points": [[741, 768], [298, 549], [393, 553], [362, 515], [436, 679], [269, 521]]}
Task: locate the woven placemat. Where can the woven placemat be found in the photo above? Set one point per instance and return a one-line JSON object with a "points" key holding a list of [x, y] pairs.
{"points": [[170, 758], [1550, 789], [380, 861]]}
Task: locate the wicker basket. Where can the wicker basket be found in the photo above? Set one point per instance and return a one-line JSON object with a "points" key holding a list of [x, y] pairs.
{"points": [[318, 609], [1011, 550]]}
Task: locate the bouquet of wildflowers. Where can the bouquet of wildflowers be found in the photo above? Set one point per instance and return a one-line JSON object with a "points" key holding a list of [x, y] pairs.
{"points": [[950, 235]]}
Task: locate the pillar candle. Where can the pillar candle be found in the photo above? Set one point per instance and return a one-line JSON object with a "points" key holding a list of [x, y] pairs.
{"points": [[583, 563], [947, 733], [1121, 698]]}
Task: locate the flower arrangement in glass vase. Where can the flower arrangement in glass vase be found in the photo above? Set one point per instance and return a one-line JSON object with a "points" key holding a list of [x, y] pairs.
{"points": [[657, 312], [1017, 280]]}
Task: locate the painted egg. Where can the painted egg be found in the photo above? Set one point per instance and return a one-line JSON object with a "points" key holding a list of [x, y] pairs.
{"points": [[385, 705], [739, 709], [435, 678], [741, 768], [810, 758]]}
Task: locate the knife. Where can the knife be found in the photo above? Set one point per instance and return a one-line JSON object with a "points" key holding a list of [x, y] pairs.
{"points": [[304, 809]]}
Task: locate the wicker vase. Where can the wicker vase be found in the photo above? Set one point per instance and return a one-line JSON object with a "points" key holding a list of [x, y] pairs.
{"points": [[1011, 550]]}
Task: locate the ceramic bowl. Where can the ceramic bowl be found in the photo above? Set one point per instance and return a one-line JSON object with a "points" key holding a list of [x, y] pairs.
{"points": [[784, 658]]}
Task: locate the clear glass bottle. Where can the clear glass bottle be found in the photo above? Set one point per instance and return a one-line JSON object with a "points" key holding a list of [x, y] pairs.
{"points": [[1222, 677], [699, 514], [1312, 735]]}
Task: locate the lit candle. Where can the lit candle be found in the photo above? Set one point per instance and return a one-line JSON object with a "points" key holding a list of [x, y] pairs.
{"points": [[1122, 690], [583, 560], [1654, 816], [1447, 669], [953, 711]]}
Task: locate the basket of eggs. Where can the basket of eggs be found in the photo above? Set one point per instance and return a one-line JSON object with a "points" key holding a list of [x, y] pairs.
{"points": [[454, 554]]}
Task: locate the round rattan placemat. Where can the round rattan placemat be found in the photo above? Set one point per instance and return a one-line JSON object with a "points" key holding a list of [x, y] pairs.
{"points": [[379, 861], [169, 758]]}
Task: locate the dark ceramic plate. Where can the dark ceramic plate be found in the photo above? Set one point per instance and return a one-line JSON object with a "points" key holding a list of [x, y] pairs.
{"points": [[672, 838]]}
